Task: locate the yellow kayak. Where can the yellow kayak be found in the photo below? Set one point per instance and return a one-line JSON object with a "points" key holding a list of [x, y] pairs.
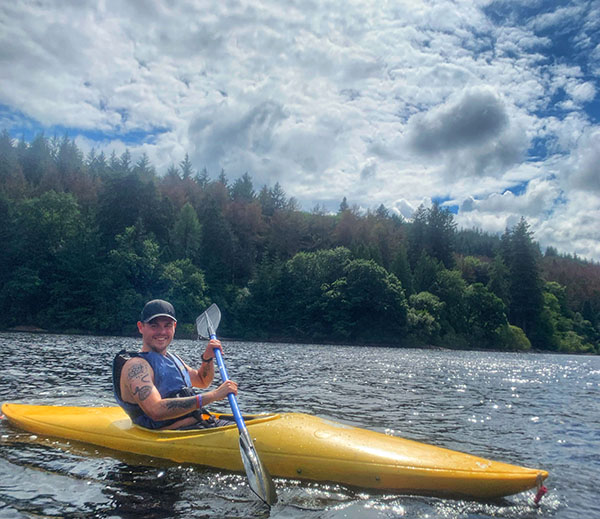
{"points": [[292, 445]]}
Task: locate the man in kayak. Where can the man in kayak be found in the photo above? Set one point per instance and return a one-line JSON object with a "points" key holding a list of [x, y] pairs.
{"points": [[154, 387]]}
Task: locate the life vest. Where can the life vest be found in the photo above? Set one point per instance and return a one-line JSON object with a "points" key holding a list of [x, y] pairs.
{"points": [[171, 378]]}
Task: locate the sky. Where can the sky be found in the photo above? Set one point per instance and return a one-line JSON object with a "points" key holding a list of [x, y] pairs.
{"points": [[491, 108]]}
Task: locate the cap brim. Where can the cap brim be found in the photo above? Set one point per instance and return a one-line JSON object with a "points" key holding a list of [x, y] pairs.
{"points": [[159, 315]]}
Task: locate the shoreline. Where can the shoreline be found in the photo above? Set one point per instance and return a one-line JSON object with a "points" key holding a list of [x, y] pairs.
{"points": [[188, 336]]}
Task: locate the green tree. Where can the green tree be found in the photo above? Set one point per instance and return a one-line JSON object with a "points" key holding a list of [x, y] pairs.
{"points": [[474, 270], [187, 171], [285, 234], [425, 273], [202, 178], [432, 231], [183, 284], [136, 258], [499, 282], [125, 162], [486, 315], [135, 269], [143, 168], [248, 227], [46, 224], [343, 206], [96, 164], [20, 297], [272, 199], [9, 236], [260, 309], [187, 233], [302, 280], [222, 179], [512, 338], [417, 237], [129, 200], [44, 228], [37, 161], [218, 243], [522, 256], [441, 230], [75, 286], [451, 288], [401, 269], [114, 164], [242, 189], [366, 302], [12, 180], [423, 317]]}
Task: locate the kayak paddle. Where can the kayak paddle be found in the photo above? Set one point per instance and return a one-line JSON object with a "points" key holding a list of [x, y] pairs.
{"points": [[258, 477]]}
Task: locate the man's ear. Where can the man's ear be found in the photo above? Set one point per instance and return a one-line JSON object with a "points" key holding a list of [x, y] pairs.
{"points": [[140, 325]]}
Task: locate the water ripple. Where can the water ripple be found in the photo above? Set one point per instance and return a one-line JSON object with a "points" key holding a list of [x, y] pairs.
{"points": [[536, 410]]}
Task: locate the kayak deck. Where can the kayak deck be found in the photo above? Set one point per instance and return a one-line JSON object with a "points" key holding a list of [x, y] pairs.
{"points": [[292, 445]]}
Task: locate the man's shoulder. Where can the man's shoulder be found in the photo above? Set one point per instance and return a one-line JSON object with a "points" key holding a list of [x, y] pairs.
{"points": [[125, 360]]}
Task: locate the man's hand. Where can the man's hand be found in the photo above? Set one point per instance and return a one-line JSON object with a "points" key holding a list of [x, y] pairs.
{"points": [[213, 344], [220, 393]]}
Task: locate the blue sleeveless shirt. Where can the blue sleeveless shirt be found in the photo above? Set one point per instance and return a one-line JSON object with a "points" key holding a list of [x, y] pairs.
{"points": [[170, 376]]}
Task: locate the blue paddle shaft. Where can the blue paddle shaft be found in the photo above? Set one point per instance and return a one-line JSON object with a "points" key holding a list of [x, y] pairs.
{"points": [[231, 397]]}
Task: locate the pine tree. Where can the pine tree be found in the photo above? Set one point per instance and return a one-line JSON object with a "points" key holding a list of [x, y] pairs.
{"points": [[187, 233], [242, 189], [125, 162], [343, 206], [526, 300], [202, 178], [499, 283], [144, 168], [401, 269], [417, 236], [441, 229], [223, 178], [187, 171]]}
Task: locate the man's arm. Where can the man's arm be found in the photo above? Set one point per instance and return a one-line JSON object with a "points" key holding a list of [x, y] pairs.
{"points": [[137, 381], [137, 386], [204, 375]]}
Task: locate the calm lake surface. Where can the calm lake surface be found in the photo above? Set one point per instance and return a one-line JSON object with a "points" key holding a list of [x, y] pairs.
{"points": [[541, 411]]}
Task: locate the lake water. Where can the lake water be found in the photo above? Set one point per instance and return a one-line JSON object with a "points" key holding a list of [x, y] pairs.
{"points": [[541, 411]]}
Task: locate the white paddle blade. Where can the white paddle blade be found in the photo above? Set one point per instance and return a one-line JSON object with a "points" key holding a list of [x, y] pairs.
{"points": [[259, 479], [208, 322]]}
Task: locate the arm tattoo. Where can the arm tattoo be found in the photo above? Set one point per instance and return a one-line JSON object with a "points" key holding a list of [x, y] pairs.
{"points": [[180, 403], [135, 371], [204, 371], [142, 392]]}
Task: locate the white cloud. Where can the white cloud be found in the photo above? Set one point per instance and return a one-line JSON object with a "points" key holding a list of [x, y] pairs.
{"points": [[581, 92], [498, 212], [573, 226], [582, 168], [557, 17]]}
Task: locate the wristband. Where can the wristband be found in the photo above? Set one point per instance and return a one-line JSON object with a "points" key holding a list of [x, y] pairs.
{"points": [[206, 360], [199, 401]]}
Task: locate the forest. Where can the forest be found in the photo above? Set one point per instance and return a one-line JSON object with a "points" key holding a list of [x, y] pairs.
{"points": [[88, 239]]}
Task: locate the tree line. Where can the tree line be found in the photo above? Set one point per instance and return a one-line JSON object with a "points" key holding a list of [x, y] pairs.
{"points": [[87, 239]]}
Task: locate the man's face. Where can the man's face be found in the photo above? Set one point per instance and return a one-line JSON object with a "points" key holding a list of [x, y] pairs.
{"points": [[158, 333]]}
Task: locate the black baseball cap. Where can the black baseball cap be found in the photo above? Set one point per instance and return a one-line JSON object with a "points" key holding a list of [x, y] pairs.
{"points": [[157, 308]]}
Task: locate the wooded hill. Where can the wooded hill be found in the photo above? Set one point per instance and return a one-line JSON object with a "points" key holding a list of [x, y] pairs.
{"points": [[88, 239]]}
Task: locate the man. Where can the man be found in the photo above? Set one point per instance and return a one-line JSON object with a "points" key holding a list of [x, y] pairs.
{"points": [[154, 386]]}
